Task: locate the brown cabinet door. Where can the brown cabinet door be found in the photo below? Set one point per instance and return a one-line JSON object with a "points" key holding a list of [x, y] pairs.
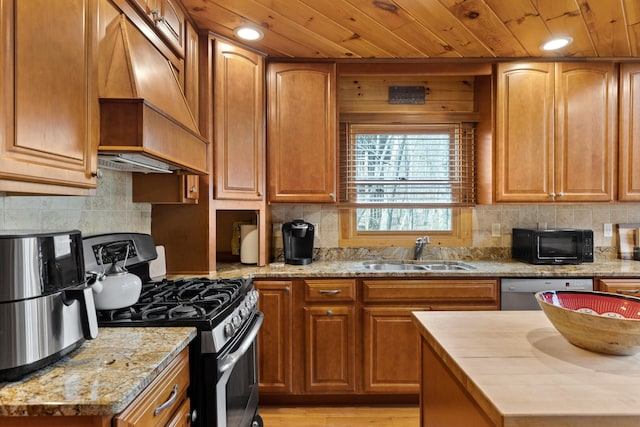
{"points": [[556, 132], [302, 132], [49, 118], [524, 132], [330, 349], [391, 350], [274, 339], [586, 131], [629, 140], [238, 106]]}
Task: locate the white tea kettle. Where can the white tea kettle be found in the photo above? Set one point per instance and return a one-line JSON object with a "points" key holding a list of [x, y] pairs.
{"points": [[116, 287]]}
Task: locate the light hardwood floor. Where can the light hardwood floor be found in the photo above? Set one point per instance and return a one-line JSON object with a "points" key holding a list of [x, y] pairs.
{"points": [[338, 416]]}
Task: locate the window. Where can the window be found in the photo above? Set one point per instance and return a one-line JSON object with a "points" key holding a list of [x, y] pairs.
{"points": [[400, 180]]}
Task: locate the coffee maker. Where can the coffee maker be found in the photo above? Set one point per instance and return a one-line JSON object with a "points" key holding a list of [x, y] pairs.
{"points": [[297, 238]]}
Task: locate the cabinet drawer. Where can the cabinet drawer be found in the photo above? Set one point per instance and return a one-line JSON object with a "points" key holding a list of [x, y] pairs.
{"points": [[330, 290], [440, 290], [621, 286], [158, 402]]}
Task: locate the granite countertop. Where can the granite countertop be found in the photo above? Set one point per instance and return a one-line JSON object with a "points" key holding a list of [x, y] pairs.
{"points": [[102, 377], [522, 372], [506, 268]]}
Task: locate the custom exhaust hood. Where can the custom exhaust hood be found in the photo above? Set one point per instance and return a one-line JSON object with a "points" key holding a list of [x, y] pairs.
{"points": [[145, 122]]}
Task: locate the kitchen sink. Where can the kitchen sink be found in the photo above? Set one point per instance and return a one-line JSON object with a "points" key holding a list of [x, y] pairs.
{"points": [[417, 265], [392, 266]]}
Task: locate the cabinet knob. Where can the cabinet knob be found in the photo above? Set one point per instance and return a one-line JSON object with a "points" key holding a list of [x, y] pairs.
{"points": [[260, 194], [329, 312], [98, 174], [560, 194], [552, 195], [332, 196], [192, 190], [287, 289]]}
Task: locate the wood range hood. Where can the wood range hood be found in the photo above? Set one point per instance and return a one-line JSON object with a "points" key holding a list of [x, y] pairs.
{"points": [[145, 122]]}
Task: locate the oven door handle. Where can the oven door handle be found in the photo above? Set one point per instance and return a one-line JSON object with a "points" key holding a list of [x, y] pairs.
{"points": [[229, 361]]}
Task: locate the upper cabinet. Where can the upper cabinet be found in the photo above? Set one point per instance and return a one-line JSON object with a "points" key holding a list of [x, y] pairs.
{"points": [[629, 158], [168, 19], [302, 132], [49, 112], [556, 130], [239, 142]]}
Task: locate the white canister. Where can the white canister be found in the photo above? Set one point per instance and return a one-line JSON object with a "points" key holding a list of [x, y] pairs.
{"points": [[249, 244]]}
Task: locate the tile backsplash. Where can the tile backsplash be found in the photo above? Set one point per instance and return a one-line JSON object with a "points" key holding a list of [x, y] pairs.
{"points": [[110, 210], [588, 216]]}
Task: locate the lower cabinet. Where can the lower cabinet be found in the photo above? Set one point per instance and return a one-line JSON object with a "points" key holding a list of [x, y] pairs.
{"points": [[351, 338], [329, 332], [274, 340], [162, 403], [626, 286]]}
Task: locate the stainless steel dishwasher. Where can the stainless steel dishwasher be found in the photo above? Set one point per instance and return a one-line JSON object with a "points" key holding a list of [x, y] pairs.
{"points": [[518, 293]]}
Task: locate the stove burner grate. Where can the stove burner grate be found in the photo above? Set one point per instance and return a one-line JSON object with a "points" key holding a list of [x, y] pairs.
{"points": [[197, 299]]}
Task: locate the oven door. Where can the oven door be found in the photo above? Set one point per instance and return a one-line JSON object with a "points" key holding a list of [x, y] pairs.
{"points": [[237, 378]]}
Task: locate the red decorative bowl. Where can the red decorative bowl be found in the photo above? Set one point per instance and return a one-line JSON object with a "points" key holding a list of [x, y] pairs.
{"points": [[596, 321]]}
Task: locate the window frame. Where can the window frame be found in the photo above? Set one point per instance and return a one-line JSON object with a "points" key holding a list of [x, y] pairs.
{"points": [[349, 236]]}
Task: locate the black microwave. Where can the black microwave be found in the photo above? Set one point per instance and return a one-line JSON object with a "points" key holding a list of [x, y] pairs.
{"points": [[552, 246]]}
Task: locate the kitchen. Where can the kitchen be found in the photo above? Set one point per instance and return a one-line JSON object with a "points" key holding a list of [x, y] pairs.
{"points": [[114, 206]]}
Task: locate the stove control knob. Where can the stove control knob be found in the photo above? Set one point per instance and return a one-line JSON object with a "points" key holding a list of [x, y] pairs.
{"points": [[237, 321], [244, 313], [249, 304], [229, 330]]}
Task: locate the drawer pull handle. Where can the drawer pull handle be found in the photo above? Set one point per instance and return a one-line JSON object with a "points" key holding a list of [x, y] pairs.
{"points": [[628, 291], [169, 402], [330, 291]]}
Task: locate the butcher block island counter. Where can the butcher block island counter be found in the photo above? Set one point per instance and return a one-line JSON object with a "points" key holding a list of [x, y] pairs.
{"points": [[109, 381], [513, 369]]}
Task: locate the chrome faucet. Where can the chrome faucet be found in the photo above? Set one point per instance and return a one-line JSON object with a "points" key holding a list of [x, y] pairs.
{"points": [[420, 243]]}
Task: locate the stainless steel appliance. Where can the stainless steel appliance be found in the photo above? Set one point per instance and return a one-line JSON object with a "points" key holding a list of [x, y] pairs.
{"points": [[518, 293], [46, 309], [552, 246], [297, 239], [223, 365]]}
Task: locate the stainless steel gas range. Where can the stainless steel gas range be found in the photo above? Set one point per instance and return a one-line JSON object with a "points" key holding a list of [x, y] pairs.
{"points": [[223, 366]]}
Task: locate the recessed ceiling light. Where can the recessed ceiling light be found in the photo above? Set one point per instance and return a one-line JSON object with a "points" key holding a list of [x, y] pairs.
{"points": [[250, 33], [557, 43]]}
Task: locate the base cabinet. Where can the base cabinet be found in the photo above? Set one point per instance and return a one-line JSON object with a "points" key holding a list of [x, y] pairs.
{"points": [[627, 286], [391, 350], [345, 339], [274, 339]]}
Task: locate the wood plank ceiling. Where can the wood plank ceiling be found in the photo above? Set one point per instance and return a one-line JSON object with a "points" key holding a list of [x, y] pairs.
{"points": [[438, 29]]}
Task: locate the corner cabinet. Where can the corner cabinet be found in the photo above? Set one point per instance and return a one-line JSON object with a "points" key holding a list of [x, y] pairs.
{"points": [[302, 132], [629, 141], [48, 122], [239, 159], [556, 133]]}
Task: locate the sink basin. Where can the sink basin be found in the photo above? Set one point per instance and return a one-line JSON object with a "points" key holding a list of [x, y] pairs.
{"points": [[417, 265], [392, 266]]}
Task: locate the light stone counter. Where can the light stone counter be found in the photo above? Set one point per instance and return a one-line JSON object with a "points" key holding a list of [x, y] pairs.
{"points": [[507, 268], [522, 372], [100, 378]]}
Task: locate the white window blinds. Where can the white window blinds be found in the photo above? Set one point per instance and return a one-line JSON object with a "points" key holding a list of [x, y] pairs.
{"points": [[392, 164]]}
